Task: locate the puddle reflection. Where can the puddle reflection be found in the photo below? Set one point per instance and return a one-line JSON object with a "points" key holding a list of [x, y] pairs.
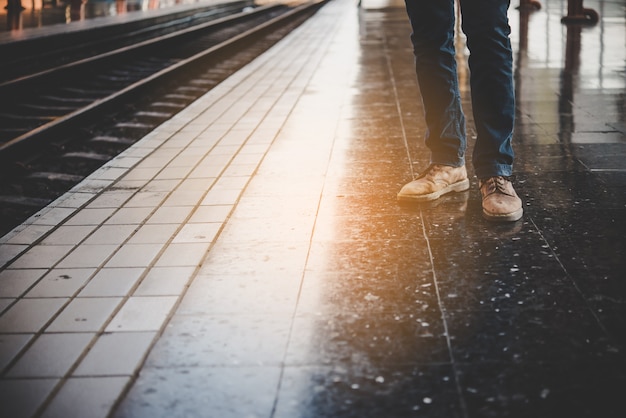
{"points": [[394, 294]]}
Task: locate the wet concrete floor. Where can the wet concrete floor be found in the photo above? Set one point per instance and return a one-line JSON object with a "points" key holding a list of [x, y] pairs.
{"points": [[428, 310], [307, 290]]}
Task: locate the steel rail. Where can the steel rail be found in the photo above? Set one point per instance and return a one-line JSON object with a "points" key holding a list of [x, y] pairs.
{"points": [[23, 53], [41, 76], [63, 123]]}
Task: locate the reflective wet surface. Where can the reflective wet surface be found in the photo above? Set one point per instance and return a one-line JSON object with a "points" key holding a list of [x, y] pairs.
{"points": [[314, 293], [428, 310]]}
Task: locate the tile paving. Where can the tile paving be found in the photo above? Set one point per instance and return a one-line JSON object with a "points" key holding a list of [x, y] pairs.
{"points": [[248, 257]]}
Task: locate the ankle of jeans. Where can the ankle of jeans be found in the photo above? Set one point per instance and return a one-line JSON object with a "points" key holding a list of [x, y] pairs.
{"points": [[493, 170], [457, 162]]}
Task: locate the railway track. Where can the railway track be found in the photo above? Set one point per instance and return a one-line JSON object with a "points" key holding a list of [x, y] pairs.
{"points": [[32, 55], [60, 122]]}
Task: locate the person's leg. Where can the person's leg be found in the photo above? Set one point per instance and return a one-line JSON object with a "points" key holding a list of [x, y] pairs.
{"points": [[487, 29], [435, 65], [486, 26], [432, 22]]}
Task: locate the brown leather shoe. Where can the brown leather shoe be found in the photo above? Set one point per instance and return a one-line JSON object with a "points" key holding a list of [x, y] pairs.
{"points": [[500, 202], [435, 181]]}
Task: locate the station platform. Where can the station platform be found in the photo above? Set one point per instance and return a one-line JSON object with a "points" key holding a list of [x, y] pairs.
{"points": [[248, 258]]}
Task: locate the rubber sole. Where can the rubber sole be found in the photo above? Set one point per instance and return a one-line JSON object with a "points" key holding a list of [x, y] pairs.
{"points": [[506, 217], [460, 186]]}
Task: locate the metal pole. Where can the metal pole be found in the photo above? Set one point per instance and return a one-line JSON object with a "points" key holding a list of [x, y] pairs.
{"points": [[577, 13]]}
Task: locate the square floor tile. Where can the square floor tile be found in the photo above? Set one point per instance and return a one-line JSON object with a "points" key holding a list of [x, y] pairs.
{"points": [[84, 315], [30, 315], [146, 313], [116, 354], [61, 283], [112, 282], [13, 283], [51, 355], [93, 397], [20, 398]]}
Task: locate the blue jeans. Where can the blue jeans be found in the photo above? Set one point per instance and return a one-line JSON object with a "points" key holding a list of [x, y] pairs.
{"points": [[486, 27]]}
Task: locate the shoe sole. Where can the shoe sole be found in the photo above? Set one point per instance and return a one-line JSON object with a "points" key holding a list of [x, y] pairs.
{"points": [[460, 186], [506, 217]]}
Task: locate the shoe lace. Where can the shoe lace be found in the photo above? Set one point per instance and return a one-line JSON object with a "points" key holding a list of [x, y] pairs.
{"points": [[430, 171], [497, 184]]}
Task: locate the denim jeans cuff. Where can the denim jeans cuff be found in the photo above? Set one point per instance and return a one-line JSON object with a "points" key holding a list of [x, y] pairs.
{"points": [[505, 170], [458, 162]]}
